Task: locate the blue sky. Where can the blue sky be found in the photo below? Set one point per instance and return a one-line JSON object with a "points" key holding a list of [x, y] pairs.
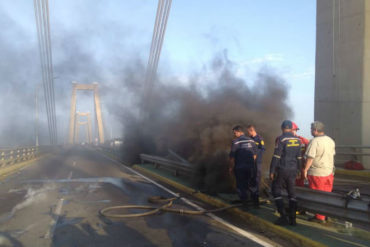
{"points": [[279, 35]]}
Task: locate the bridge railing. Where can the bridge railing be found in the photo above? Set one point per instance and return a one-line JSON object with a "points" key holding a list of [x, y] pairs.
{"points": [[9, 156], [175, 166], [346, 153], [341, 206]]}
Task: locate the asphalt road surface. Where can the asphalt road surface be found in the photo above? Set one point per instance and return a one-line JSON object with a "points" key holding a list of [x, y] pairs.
{"points": [[56, 200]]}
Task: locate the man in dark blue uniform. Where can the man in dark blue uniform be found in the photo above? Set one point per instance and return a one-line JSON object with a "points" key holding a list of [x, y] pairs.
{"points": [[251, 129], [285, 167], [242, 161]]}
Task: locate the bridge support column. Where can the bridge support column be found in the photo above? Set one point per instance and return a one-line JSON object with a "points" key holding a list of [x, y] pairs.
{"points": [[73, 124], [342, 83], [87, 125]]}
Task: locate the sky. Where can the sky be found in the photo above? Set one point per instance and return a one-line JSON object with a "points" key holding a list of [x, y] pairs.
{"points": [[92, 40]]}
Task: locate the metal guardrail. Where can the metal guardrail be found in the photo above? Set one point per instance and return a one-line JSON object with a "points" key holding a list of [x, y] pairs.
{"points": [[15, 155], [178, 157], [346, 153], [332, 204], [176, 166]]}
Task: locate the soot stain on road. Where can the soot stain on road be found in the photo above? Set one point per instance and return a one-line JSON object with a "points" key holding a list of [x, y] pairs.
{"points": [[7, 240], [118, 182], [31, 196], [86, 235]]}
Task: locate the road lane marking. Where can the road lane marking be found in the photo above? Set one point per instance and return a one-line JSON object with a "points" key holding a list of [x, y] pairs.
{"points": [[240, 231], [53, 224], [346, 241]]}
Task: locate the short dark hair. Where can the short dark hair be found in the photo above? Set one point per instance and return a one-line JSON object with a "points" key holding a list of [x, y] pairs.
{"points": [[238, 128], [251, 126]]}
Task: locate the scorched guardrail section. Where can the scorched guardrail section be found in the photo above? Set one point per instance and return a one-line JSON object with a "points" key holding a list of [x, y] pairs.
{"points": [[332, 204], [175, 166]]}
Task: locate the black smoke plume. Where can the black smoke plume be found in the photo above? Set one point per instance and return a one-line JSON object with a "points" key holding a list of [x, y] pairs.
{"points": [[193, 118], [196, 120]]}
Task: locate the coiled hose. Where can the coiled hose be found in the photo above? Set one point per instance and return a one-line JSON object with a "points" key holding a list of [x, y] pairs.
{"points": [[107, 212]]}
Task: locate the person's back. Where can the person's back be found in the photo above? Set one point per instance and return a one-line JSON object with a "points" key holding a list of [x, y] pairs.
{"points": [[285, 164], [242, 157], [322, 150], [290, 150], [319, 165], [243, 147]]}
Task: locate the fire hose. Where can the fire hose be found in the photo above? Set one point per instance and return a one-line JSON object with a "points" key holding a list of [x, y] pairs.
{"points": [[167, 207]]}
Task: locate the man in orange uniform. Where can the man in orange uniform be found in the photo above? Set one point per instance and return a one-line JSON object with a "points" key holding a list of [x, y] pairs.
{"points": [[304, 142]]}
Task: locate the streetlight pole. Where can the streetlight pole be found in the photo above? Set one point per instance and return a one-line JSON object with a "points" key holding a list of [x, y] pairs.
{"points": [[111, 126], [37, 114]]}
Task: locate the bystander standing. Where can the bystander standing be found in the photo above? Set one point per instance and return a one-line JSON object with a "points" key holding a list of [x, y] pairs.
{"points": [[319, 167]]}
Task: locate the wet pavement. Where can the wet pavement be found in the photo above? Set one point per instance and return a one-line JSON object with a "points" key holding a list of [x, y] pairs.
{"points": [[55, 202]]}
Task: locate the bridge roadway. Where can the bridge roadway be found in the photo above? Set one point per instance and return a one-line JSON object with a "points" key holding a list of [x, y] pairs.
{"points": [[55, 202]]}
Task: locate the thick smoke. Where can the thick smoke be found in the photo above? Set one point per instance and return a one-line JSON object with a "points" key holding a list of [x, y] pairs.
{"points": [[196, 120], [17, 92], [73, 60]]}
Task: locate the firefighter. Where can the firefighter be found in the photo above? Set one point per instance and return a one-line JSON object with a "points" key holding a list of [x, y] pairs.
{"points": [[284, 168], [304, 143], [242, 161], [251, 129]]}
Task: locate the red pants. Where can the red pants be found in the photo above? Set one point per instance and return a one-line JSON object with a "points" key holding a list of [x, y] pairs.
{"points": [[321, 183]]}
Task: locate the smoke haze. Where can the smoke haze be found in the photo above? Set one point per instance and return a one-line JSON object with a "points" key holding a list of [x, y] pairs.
{"points": [[195, 119], [75, 58], [192, 116]]}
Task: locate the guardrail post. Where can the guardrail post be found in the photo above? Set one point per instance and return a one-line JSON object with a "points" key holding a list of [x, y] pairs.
{"points": [[354, 157], [11, 157], [2, 159], [15, 155]]}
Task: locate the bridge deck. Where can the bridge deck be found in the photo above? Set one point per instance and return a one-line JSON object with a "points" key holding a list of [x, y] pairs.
{"points": [[332, 234], [55, 202]]}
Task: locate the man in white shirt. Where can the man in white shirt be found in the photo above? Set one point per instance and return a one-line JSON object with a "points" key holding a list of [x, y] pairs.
{"points": [[319, 166]]}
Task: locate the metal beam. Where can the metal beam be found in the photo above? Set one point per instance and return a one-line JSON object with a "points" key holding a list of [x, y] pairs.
{"points": [[87, 125], [331, 204], [73, 131], [91, 87]]}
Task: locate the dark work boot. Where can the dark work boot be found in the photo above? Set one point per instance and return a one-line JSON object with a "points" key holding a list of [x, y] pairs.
{"points": [[256, 201], [282, 221], [292, 212], [245, 205]]}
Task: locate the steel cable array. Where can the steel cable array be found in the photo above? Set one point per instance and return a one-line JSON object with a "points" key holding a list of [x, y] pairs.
{"points": [[160, 25], [43, 34]]}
